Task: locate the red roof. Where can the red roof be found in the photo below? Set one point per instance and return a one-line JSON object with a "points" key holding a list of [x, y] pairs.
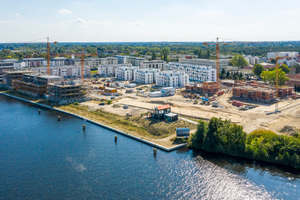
{"points": [[163, 107]]}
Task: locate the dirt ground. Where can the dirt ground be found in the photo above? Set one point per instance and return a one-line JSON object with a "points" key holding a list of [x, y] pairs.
{"points": [[258, 117]]}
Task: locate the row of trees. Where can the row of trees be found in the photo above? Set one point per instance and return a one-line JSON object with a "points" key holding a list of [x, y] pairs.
{"points": [[231, 75], [225, 137], [200, 54]]}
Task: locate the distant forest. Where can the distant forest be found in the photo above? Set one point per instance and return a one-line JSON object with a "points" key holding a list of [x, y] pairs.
{"points": [[145, 48]]}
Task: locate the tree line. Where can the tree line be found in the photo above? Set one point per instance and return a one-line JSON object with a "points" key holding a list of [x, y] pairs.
{"points": [[222, 136]]}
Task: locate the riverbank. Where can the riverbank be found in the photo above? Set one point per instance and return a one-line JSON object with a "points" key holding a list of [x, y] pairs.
{"points": [[108, 121], [224, 137]]}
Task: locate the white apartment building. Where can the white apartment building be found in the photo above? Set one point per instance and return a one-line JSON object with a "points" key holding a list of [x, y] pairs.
{"points": [[35, 62], [136, 61], [110, 70], [94, 62], [125, 73], [64, 71], [272, 55], [146, 76], [252, 60], [154, 64], [196, 72], [122, 59], [58, 61], [111, 61], [223, 63], [172, 79]]}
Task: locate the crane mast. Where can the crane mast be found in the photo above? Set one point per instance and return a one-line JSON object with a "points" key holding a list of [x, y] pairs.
{"points": [[82, 67], [218, 57], [48, 56]]}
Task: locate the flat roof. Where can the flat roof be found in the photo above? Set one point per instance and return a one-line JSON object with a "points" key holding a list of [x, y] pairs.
{"points": [[171, 115]]}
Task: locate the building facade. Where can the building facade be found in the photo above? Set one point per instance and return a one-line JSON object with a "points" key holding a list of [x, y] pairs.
{"points": [[172, 79], [145, 76], [195, 72], [154, 64], [125, 73], [223, 63], [110, 70]]}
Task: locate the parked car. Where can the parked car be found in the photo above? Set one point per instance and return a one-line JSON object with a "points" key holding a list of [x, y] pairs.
{"points": [[112, 97], [125, 106], [101, 104]]}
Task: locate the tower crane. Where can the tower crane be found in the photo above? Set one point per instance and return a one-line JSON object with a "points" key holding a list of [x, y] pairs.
{"points": [[82, 67], [217, 55], [48, 55]]}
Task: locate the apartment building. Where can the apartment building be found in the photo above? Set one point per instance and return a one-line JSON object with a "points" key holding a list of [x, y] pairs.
{"points": [[5, 67], [136, 61], [172, 79], [272, 55], [223, 63], [58, 61], [35, 62], [110, 70], [122, 59], [145, 76], [125, 73], [64, 71], [154, 64], [196, 72]]}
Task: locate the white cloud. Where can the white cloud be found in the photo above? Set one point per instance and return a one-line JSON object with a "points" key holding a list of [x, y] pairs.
{"points": [[17, 14], [64, 11], [106, 23], [78, 20]]}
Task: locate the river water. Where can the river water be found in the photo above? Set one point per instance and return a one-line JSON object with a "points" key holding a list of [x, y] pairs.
{"points": [[41, 158]]}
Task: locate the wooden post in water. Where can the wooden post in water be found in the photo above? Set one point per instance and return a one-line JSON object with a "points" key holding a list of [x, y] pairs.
{"points": [[116, 138], [39, 111], [58, 118], [83, 127], [154, 151]]}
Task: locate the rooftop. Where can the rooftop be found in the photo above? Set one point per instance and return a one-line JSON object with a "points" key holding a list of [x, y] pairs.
{"points": [[163, 107]]}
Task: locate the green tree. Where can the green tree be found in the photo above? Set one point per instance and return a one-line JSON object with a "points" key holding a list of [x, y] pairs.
{"points": [[297, 68], [207, 53], [258, 69], [285, 68], [127, 52], [238, 61], [165, 52], [270, 76], [196, 140], [153, 55]]}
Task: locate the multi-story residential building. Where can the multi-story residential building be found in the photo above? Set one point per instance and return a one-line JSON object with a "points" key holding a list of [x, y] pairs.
{"points": [[122, 59], [136, 61], [272, 55], [252, 60], [125, 73], [172, 79], [58, 61], [35, 62], [110, 70], [223, 63], [111, 61], [5, 67], [64, 71], [145, 75], [195, 72], [154, 64]]}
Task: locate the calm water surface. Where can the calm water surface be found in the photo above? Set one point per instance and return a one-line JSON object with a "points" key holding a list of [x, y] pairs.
{"points": [[41, 158]]}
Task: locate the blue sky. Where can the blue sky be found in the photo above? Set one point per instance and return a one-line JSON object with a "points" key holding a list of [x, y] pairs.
{"points": [[152, 20]]}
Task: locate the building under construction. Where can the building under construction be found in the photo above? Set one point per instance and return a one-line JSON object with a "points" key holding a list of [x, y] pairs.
{"points": [[64, 92], [9, 76], [34, 84], [208, 87], [255, 94]]}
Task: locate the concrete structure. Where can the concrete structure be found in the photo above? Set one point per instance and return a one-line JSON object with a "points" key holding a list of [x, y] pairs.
{"points": [[110, 70], [252, 60], [5, 67], [34, 84], [153, 64], [111, 61], [35, 62], [147, 76], [172, 79], [195, 72], [136, 61], [168, 91], [9, 76], [294, 80], [125, 73], [64, 92], [206, 62]]}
